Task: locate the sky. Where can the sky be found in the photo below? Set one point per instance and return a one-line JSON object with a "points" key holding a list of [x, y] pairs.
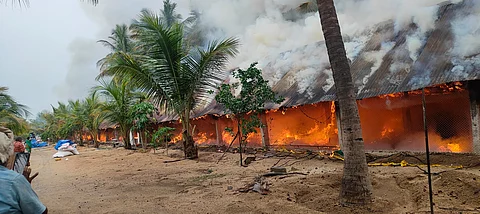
{"points": [[34, 54], [48, 51]]}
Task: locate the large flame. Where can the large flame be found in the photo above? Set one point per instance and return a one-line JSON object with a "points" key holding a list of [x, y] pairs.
{"points": [[389, 122]]}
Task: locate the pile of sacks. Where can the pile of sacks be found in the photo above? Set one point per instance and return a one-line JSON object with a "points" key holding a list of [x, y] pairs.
{"points": [[65, 148]]}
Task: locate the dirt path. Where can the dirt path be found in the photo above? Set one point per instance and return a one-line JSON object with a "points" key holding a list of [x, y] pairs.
{"points": [[120, 181]]}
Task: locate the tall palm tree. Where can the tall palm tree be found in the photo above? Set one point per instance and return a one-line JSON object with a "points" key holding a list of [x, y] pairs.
{"points": [[356, 187], [95, 116], [12, 112], [168, 14], [166, 70], [119, 41], [119, 101]]}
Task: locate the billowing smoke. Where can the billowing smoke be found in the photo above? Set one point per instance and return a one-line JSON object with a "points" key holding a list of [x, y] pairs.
{"points": [[466, 49], [282, 44], [85, 52]]}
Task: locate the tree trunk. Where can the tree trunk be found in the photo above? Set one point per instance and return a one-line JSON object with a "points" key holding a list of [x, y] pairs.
{"points": [[95, 141], [240, 139], [190, 150], [356, 187], [81, 138], [126, 139]]}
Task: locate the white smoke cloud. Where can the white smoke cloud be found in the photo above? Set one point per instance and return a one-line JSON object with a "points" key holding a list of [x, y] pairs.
{"points": [[376, 57], [466, 29], [280, 45]]}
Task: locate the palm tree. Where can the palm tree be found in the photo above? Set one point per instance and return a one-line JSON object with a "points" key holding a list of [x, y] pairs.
{"points": [[119, 41], [166, 69], [78, 118], [95, 116], [169, 16], [119, 101], [356, 187], [11, 112], [68, 120]]}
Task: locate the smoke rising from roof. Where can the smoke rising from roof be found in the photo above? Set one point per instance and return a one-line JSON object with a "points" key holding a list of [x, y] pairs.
{"points": [[280, 44]]}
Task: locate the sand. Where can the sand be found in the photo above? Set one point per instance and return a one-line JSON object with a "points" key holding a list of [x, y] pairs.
{"points": [[122, 181]]}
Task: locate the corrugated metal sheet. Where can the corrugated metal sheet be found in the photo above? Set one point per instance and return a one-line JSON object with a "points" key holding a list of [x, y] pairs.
{"points": [[397, 72]]}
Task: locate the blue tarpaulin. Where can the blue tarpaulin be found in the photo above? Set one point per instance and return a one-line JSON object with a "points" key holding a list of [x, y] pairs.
{"points": [[36, 144], [60, 142]]}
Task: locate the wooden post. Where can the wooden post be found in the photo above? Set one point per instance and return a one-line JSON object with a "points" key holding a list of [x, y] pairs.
{"points": [[264, 131], [339, 124], [474, 94], [217, 132]]}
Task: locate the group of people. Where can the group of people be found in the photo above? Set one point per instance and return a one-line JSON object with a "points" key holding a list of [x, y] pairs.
{"points": [[16, 193]]}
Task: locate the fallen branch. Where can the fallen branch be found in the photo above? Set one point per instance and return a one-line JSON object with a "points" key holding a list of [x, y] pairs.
{"points": [[458, 210], [228, 148], [171, 161], [271, 174]]}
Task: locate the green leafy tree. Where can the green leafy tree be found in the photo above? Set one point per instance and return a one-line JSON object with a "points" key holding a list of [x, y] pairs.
{"points": [[175, 78], [142, 113], [164, 135], [249, 103]]}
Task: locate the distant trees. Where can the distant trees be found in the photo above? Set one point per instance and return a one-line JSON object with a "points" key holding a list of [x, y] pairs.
{"points": [[12, 113]]}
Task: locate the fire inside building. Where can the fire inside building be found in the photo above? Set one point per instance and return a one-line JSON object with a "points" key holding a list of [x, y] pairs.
{"points": [[389, 99]]}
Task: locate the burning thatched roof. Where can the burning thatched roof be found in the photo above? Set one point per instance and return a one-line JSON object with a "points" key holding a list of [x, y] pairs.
{"points": [[399, 69], [397, 72]]}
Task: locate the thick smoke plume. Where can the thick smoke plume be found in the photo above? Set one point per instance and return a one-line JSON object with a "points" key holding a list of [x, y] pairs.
{"points": [[281, 43]]}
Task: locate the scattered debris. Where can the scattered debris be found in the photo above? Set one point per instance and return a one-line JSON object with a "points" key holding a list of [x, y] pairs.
{"points": [[249, 160], [259, 185], [278, 169]]}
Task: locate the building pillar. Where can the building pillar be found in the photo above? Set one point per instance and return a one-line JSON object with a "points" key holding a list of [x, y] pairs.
{"points": [[264, 130], [217, 131], [474, 93], [339, 125]]}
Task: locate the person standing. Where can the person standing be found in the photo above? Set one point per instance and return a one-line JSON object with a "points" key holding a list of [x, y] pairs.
{"points": [[16, 193], [28, 145], [18, 145]]}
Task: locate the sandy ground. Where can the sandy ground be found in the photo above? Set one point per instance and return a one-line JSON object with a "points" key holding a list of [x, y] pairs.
{"points": [[121, 181]]}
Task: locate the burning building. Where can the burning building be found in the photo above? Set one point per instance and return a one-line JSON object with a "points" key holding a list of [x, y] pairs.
{"points": [[389, 68]]}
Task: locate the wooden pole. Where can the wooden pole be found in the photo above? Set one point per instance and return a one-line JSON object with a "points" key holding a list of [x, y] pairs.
{"points": [[427, 150]]}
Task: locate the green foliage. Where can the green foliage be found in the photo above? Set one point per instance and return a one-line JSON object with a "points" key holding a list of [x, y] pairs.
{"points": [[12, 113], [119, 101], [249, 103], [141, 114], [162, 134]]}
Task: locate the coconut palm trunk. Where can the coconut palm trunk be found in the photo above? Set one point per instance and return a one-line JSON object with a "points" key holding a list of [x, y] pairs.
{"points": [[356, 187], [191, 151]]}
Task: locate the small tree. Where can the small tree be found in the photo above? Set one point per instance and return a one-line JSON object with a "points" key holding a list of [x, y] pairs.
{"points": [[163, 134], [141, 114], [247, 105]]}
